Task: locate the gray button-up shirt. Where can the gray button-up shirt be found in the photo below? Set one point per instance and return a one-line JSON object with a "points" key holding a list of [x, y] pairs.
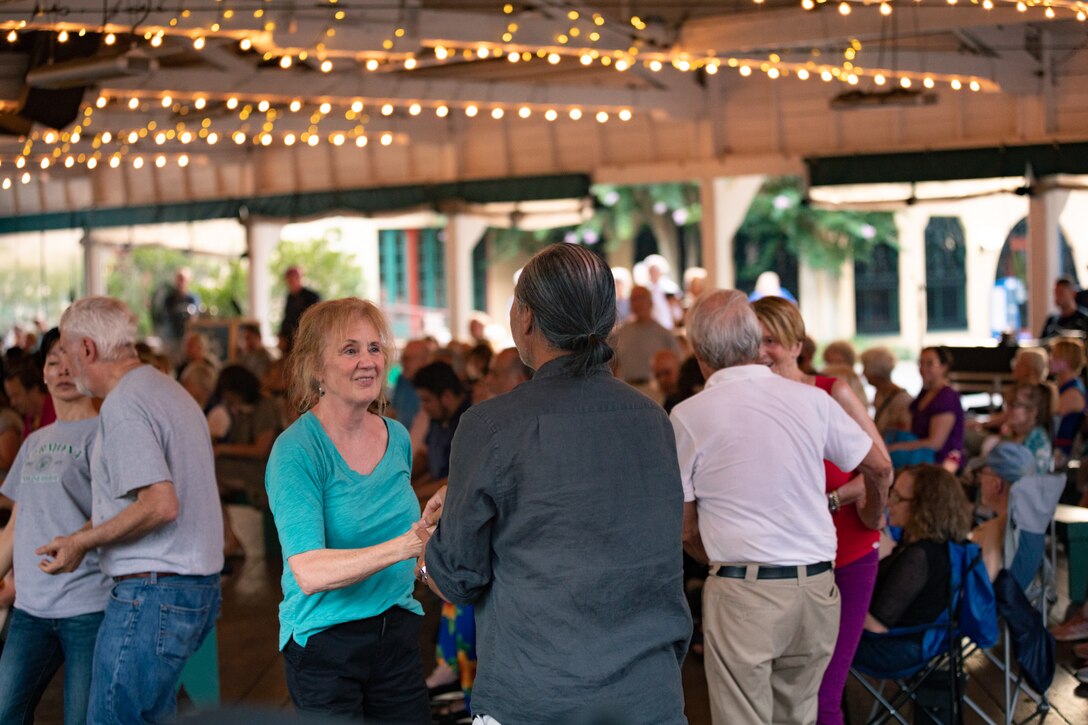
{"points": [[562, 524]]}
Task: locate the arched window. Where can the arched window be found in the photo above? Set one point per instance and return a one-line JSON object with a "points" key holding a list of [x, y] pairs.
{"points": [[946, 274], [1012, 264], [876, 291]]}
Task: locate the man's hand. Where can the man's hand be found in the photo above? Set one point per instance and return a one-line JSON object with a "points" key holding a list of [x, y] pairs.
{"points": [[432, 512], [66, 551]]}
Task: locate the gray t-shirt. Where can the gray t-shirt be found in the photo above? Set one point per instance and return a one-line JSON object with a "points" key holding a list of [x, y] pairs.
{"points": [[151, 430], [50, 481], [635, 344]]}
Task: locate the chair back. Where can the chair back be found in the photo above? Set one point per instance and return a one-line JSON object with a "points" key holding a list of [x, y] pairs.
{"points": [[1032, 502]]}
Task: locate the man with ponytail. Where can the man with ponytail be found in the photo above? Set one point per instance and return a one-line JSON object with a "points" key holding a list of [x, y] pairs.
{"points": [[563, 521]]}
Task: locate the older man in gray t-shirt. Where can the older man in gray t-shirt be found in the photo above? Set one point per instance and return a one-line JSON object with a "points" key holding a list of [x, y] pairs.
{"points": [[156, 519]]}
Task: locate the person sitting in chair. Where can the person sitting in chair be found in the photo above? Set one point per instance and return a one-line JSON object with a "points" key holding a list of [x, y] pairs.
{"points": [[1006, 464], [912, 582]]}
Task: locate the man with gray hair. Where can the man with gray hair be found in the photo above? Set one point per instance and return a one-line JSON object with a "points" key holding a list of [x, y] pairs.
{"points": [[155, 519], [563, 521], [751, 449]]}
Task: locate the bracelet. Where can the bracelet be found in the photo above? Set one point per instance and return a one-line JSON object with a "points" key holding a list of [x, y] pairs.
{"points": [[834, 503]]}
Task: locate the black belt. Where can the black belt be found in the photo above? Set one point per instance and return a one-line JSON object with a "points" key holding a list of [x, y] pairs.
{"points": [[144, 575], [774, 572]]}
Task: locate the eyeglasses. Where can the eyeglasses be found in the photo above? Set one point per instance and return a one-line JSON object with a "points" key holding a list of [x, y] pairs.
{"points": [[895, 497]]}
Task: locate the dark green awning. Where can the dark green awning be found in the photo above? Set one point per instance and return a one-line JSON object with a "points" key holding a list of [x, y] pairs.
{"points": [[981, 163], [310, 204]]}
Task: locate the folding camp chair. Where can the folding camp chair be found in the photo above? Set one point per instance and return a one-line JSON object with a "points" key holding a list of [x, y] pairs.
{"points": [[971, 613], [1032, 501]]}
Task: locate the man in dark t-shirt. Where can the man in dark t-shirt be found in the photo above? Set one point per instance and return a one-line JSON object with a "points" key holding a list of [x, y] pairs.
{"points": [[1071, 317], [299, 299]]}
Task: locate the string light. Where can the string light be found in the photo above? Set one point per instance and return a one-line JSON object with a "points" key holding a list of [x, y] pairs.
{"points": [[183, 161], [471, 111], [386, 138], [442, 111], [200, 103], [575, 114], [497, 113]]}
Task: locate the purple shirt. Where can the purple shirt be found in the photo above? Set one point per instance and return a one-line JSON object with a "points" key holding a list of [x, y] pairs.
{"points": [[946, 401]]}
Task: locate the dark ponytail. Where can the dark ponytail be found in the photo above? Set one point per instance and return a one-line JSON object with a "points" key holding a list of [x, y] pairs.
{"points": [[572, 295]]}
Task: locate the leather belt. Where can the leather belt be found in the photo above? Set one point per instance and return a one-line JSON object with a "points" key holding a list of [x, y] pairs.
{"points": [[145, 575], [774, 572]]}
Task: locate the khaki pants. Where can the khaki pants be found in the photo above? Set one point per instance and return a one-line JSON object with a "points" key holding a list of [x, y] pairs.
{"points": [[768, 643]]}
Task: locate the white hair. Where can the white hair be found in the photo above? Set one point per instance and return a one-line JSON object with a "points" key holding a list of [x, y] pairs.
{"points": [[724, 330], [105, 320]]}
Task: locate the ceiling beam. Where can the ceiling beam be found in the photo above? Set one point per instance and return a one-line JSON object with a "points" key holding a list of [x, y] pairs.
{"points": [[680, 100], [780, 29]]}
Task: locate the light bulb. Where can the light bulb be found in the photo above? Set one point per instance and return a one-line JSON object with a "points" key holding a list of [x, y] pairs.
{"points": [[442, 111], [496, 113], [525, 112], [575, 114], [625, 114], [183, 161], [471, 111], [386, 138]]}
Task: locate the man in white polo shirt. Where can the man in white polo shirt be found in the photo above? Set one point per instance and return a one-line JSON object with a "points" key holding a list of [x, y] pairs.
{"points": [[751, 449]]}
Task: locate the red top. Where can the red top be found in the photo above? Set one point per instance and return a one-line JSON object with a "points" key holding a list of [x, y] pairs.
{"points": [[855, 538], [49, 415]]}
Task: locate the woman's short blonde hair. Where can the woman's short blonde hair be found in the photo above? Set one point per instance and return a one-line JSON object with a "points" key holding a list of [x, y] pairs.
{"points": [[1069, 351], [782, 319], [938, 510], [320, 326]]}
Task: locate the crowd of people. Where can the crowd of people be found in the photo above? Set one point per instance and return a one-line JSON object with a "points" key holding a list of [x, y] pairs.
{"points": [[649, 473]]}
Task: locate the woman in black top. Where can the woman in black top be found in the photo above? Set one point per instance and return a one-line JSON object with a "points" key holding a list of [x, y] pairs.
{"points": [[912, 583]]}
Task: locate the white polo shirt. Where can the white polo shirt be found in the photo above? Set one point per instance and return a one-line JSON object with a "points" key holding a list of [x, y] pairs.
{"points": [[751, 449]]}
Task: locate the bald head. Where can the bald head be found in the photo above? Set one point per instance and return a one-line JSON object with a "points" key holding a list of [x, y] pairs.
{"points": [[665, 365], [506, 372], [413, 356], [642, 304]]}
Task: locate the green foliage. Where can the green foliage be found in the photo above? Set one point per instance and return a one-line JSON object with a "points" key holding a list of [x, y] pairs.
{"points": [[138, 273], [223, 284], [780, 218], [329, 272]]}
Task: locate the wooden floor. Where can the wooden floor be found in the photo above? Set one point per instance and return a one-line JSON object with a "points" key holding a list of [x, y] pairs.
{"points": [[251, 669]]}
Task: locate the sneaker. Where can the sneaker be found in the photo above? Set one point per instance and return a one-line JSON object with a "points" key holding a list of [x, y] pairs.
{"points": [[1071, 631], [1082, 675]]}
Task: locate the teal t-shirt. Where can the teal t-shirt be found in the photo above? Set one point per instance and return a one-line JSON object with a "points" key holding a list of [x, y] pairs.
{"points": [[318, 502]]}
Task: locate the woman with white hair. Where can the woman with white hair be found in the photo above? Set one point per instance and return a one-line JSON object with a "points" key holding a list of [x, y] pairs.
{"points": [[891, 402]]}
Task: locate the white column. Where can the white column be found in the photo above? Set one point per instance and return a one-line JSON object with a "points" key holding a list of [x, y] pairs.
{"points": [[364, 241], [462, 234], [911, 226], [725, 202], [1044, 264], [986, 224], [94, 266], [261, 238], [827, 301]]}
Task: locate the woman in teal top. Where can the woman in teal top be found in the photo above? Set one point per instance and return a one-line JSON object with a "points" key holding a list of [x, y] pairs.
{"points": [[348, 521]]}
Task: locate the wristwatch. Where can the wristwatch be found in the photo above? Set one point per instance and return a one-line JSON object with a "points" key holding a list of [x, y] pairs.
{"points": [[834, 503]]}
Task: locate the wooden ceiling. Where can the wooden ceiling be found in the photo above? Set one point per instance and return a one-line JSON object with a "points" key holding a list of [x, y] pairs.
{"points": [[366, 93]]}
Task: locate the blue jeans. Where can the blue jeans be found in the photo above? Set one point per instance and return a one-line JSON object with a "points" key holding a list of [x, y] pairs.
{"points": [[35, 649], [152, 626]]}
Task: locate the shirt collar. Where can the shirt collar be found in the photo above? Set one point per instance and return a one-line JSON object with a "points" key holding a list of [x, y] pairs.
{"points": [[738, 372], [561, 366]]}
